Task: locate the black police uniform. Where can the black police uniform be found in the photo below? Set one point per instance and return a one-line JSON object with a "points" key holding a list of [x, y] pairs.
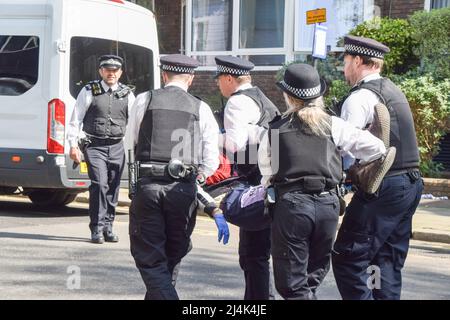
{"points": [[376, 229], [254, 246], [306, 211], [163, 211], [104, 124]]}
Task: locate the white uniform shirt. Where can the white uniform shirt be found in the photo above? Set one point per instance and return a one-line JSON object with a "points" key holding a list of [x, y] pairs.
{"points": [[209, 130], [358, 110], [82, 104], [346, 137], [240, 118]]}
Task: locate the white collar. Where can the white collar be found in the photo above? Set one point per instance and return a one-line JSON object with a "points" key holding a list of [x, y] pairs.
{"points": [[177, 84], [370, 77], [106, 87]]}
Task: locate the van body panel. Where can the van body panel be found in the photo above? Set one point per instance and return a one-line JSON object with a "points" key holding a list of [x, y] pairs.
{"points": [[29, 173], [24, 117]]}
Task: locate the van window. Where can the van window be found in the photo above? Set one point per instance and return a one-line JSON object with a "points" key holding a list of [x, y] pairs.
{"points": [[19, 64], [84, 54]]}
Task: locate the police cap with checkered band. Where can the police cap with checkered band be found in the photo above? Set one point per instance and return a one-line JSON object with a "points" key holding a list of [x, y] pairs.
{"points": [[360, 46], [110, 61], [233, 65], [302, 81], [178, 63]]}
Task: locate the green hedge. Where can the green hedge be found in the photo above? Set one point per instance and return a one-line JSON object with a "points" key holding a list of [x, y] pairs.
{"points": [[397, 35], [430, 105], [431, 33], [337, 91]]}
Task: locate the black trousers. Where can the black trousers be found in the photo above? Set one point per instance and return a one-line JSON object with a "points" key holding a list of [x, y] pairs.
{"points": [[162, 218], [105, 167], [303, 230], [254, 256], [373, 240]]}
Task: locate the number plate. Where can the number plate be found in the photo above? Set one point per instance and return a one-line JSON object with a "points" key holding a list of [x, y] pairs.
{"points": [[83, 168]]}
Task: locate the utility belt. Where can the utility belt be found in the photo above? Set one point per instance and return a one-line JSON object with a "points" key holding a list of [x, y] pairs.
{"points": [[174, 170], [98, 142], [308, 185], [313, 186], [413, 173]]}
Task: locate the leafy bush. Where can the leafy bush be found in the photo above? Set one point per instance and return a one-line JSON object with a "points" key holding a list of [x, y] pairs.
{"points": [[431, 33], [330, 69], [430, 105], [397, 35], [337, 91]]}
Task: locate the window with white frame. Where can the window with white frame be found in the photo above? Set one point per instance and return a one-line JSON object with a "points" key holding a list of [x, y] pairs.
{"points": [[254, 29], [342, 16], [261, 24], [438, 4], [267, 32], [211, 25]]}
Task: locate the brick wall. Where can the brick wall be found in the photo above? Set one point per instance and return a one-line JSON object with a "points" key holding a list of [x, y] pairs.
{"points": [[168, 17], [437, 187], [205, 87], [399, 8], [168, 20]]}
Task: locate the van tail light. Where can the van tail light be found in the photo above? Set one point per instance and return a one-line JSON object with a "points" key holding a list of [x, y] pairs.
{"points": [[56, 126]]}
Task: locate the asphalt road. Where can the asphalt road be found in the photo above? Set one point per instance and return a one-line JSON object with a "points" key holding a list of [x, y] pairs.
{"points": [[47, 255]]}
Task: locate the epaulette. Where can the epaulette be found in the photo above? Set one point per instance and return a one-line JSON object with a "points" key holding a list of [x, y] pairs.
{"points": [[123, 91], [95, 87]]}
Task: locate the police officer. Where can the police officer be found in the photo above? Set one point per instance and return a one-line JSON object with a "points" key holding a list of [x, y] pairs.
{"points": [[247, 112], [101, 110], [300, 158], [169, 124], [376, 229]]}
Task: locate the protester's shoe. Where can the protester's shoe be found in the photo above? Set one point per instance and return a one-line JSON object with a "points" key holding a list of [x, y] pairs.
{"points": [[97, 237], [110, 236], [367, 177], [381, 124]]}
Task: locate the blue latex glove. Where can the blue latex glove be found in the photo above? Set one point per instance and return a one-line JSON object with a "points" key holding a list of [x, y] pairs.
{"points": [[222, 227]]}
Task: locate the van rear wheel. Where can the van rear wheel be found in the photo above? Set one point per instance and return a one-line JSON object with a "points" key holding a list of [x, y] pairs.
{"points": [[47, 198]]}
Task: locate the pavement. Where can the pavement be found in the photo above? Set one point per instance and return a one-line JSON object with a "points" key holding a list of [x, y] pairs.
{"points": [[431, 222]]}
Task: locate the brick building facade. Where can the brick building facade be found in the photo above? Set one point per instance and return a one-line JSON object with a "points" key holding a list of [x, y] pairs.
{"points": [[171, 21], [172, 25], [399, 8]]}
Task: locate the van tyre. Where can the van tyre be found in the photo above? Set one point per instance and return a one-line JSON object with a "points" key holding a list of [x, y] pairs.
{"points": [[51, 198]]}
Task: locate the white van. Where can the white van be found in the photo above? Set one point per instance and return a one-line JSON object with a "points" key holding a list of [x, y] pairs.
{"points": [[49, 50]]}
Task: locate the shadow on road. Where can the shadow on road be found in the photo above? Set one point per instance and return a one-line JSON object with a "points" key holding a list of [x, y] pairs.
{"points": [[430, 249], [28, 210], [13, 235]]}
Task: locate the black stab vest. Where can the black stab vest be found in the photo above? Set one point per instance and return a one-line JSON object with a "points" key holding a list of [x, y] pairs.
{"points": [[308, 161], [107, 115], [170, 127], [403, 133]]}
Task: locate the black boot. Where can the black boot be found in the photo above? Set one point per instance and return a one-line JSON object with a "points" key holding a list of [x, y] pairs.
{"points": [[97, 237], [110, 236]]}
